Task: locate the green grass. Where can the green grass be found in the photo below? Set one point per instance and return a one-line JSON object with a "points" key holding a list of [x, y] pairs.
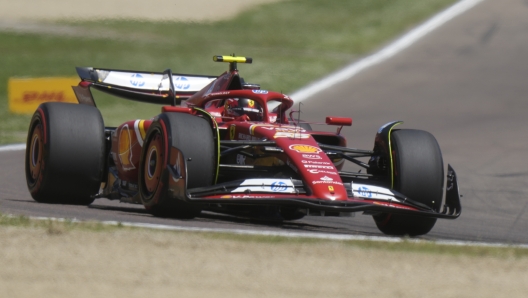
{"points": [[291, 42]]}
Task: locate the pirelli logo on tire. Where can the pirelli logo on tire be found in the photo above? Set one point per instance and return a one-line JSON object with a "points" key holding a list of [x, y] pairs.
{"points": [[26, 94]]}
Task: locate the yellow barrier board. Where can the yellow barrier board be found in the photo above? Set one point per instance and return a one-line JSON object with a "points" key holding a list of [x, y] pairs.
{"points": [[25, 95]]}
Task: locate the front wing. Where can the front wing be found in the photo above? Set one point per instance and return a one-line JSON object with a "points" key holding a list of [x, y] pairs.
{"points": [[291, 193]]}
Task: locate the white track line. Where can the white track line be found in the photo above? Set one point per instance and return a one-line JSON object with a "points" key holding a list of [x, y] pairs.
{"points": [[13, 147], [324, 236], [387, 52], [302, 94]]}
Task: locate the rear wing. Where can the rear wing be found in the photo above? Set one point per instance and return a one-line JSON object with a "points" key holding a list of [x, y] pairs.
{"points": [[151, 87]]}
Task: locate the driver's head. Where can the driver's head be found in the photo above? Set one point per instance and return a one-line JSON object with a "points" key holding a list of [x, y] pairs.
{"points": [[236, 107]]}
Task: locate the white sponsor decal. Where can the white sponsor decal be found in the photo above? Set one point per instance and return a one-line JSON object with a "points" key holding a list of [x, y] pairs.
{"points": [[181, 83], [266, 185], [264, 126], [318, 167], [217, 94], [289, 129], [373, 192], [327, 182], [295, 135], [322, 172], [246, 197], [155, 81], [278, 128], [316, 162], [326, 178], [311, 156]]}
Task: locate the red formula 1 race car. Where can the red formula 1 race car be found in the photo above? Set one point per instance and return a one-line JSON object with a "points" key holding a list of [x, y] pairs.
{"points": [[223, 145]]}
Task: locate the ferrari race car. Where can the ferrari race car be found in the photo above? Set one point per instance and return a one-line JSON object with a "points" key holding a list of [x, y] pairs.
{"points": [[223, 145]]}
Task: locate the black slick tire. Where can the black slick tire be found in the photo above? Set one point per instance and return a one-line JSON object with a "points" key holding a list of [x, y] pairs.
{"points": [[419, 175], [65, 153], [193, 136]]}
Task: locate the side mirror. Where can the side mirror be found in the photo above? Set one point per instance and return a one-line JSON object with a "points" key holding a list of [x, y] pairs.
{"points": [[340, 121]]}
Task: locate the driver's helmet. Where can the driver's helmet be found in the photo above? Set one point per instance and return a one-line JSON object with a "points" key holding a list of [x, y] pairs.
{"points": [[236, 107]]}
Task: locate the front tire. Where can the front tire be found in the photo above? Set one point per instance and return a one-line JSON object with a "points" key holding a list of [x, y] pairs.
{"points": [[65, 153], [193, 136], [418, 174]]}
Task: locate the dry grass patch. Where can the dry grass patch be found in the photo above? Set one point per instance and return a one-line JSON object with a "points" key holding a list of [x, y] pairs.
{"points": [[153, 10], [51, 259]]}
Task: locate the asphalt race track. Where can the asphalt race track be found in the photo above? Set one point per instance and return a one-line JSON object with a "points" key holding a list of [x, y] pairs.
{"points": [[466, 83]]}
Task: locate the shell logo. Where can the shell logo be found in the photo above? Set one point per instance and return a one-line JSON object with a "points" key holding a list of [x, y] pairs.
{"points": [[305, 149]]}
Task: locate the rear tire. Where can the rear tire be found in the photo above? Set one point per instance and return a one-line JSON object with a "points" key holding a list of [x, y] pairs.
{"points": [[419, 175], [193, 136], [65, 153]]}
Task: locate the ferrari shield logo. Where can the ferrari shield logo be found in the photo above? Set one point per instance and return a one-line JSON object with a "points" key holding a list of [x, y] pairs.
{"points": [[232, 129]]}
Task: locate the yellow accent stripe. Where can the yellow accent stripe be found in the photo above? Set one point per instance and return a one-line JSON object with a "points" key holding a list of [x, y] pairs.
{"points": [[390, 154], [217, 141], [142, 129]]}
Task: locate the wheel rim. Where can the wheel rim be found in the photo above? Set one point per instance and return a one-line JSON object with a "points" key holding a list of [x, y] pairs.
{"points": [[35, 153], [153, 164]]}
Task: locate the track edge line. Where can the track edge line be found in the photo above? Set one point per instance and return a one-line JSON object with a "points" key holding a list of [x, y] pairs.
{"points": [[323, 236]]}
